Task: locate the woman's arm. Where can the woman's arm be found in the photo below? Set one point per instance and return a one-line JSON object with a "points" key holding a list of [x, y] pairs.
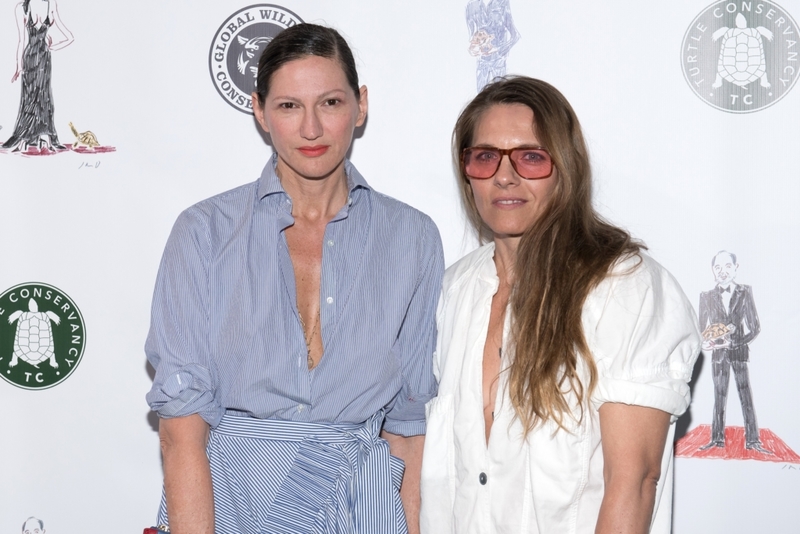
{"points": [[19, 14], [408, 449], [56, 18], [633, 440], [187, 475]]}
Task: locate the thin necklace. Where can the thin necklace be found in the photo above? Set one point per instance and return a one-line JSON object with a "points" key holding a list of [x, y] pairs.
{"points": [[310, 337]]}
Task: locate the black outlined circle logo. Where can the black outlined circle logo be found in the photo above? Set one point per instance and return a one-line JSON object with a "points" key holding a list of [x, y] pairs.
{"points": [[741, 57], [42, 336], [237, 45]]}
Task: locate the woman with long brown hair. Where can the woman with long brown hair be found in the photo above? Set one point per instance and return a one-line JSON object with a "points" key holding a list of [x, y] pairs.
{"points": [[564, 350]]}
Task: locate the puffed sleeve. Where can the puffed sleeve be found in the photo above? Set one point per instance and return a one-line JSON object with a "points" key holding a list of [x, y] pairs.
{"points": [[178, 346], [417, 341], [644, 337]]}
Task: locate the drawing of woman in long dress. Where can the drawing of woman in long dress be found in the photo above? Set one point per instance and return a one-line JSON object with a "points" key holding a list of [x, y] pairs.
{"points": [[36, 22]]}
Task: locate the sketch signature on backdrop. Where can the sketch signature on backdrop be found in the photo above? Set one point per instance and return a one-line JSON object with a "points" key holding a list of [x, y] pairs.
{"points": [[741, 57], [41, 31], [237, 46], [42, 336], [729, 321], [492, 34]]}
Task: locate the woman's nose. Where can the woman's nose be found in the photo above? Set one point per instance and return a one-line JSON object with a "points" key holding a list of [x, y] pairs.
{"points": [[506, 175], [311, 128]]}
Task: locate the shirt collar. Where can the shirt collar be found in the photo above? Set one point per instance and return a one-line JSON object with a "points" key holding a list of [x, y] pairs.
{"points": [[270, 184], [487, 269]]}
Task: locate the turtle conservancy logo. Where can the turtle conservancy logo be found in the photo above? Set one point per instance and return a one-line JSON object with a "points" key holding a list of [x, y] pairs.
{"points": [[237, 45], [741, 56], [42, 336]]}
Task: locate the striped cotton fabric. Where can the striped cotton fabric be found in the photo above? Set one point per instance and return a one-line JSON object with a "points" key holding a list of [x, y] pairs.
{"points": [[225, 334], [303, 478]]}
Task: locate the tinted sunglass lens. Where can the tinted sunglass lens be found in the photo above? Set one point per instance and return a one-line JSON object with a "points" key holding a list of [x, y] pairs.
{"points": [[532, 163], [481, 163]]}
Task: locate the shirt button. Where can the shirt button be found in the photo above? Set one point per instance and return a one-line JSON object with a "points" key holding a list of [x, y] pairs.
{"points": [[482, 479], [329, 300], [300, 408], [330, 243]]}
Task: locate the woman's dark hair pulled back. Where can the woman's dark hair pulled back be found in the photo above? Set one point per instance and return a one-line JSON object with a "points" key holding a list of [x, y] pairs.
{"points": [[301, 41]]}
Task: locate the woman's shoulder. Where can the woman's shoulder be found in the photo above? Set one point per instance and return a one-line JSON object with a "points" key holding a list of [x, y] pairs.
{"points": [[225, 205], [639, 269], [476, 264], [637, 281], [394, 210]]}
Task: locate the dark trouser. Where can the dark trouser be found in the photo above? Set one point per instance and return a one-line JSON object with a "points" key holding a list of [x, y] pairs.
{"points": [[721, 367]]}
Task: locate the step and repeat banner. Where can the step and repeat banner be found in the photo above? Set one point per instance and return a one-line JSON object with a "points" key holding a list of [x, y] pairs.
{"points": [[116, 116]]}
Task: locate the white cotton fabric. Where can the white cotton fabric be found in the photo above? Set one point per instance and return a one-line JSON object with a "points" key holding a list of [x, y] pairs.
{"points": [[644, 338]]}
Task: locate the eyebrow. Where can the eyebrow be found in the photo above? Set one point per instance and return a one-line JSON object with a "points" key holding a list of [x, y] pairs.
{"points": [[322, 96]]}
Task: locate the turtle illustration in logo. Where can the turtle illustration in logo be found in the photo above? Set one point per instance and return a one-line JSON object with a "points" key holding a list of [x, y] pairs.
{"points": [[741, 55], [33, 342]]}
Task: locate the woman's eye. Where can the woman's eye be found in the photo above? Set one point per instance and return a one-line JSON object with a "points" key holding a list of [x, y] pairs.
{"points": [[533, 156], [332, 101], [485, 155], [287, 105]]}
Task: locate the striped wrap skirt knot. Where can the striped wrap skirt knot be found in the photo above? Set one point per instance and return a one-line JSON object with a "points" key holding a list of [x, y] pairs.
{"points": [[288, 477]]}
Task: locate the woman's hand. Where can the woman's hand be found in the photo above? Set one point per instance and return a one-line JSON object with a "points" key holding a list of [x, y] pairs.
{"points": [[187, 475], [633, 439], [16, 75]]}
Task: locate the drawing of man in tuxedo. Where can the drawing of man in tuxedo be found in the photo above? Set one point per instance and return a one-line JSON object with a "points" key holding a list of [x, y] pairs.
{"points": [[730, 322]]}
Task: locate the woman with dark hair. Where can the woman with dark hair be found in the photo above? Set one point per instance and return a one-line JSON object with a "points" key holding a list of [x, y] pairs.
{"points": [[35, 123], [293, 326], [564, 350]]}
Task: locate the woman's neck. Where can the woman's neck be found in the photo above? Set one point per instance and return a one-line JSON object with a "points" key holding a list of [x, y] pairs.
{"points": [[505, 257], [314, 199]]}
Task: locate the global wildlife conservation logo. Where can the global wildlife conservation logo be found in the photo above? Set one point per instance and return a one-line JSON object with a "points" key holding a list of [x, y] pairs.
{"points": [[42, 336], [741, 56], [237, 45]]}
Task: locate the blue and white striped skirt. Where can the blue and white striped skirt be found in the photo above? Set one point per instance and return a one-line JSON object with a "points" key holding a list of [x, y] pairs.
{"points": [[287, 477]]}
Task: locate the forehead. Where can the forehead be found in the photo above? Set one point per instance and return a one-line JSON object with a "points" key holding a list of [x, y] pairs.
{"points": [[506, 126], [722, 259], [309, 73]]}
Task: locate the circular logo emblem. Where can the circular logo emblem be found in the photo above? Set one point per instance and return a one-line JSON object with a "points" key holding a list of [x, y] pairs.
{"points": [[741, 56], [42, 336], [237, 46]]}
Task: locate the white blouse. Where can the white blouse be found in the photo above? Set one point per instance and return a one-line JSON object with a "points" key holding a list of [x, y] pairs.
{"points": [[644, 338]]}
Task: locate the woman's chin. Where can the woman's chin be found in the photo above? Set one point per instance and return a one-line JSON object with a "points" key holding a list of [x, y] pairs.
{"points": [[317, 168]]}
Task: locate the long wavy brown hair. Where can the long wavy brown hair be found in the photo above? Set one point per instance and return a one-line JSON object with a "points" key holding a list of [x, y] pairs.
{"points": [[564, 254]]}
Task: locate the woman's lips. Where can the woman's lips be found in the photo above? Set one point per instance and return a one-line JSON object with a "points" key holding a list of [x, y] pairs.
{"points": [[508, 203], [313, 151]]}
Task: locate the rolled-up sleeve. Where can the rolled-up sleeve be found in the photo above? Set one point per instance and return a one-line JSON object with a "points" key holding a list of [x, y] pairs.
{"points": [[178, 345], [644, 337], [416, 342]]}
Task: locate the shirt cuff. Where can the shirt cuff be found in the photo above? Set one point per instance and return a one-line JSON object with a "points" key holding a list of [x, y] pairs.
{"points": [[185, 392], [667, 394], [404, 428]]}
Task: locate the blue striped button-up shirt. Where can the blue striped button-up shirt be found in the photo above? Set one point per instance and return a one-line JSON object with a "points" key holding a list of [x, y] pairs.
{"points": [[225, 334]]}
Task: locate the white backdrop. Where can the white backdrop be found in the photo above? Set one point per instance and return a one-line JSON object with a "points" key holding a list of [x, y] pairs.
{"points": [[687, 178]]}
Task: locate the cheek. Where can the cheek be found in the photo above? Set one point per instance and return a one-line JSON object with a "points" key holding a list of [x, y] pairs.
{"points": [[478, 195], [547, 188], [340, 126]]}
